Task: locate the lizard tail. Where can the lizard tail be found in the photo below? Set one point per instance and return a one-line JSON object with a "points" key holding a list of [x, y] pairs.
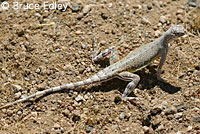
{"points": [[88, 81]]}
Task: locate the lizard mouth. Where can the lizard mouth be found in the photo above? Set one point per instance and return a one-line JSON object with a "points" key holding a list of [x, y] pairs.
{"points": [[180, 34]]}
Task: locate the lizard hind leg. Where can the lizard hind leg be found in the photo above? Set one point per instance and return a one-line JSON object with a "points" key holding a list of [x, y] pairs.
{"points": [[134, 79], [114, 57]]}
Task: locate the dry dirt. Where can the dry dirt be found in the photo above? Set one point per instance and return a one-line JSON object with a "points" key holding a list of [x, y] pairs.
{"points": [[41, 49]]}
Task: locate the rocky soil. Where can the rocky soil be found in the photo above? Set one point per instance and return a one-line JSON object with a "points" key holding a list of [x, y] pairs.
{"points": [[41, 48]]}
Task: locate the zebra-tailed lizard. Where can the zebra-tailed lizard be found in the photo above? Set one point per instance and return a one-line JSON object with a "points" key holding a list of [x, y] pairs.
{"points": [[124, 68]]}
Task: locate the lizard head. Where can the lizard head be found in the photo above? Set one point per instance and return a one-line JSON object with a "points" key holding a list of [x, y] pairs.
{"points": [[177, 31], [174, 32]]}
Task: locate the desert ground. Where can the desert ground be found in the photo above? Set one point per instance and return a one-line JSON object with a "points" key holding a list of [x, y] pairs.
{"points": [[46, 47]]}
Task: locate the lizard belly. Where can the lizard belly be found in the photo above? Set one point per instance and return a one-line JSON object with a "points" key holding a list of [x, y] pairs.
{"points": [[136, 68]]}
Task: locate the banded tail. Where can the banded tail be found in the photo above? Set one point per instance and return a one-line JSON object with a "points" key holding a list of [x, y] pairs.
{"points": [[101, 76]]}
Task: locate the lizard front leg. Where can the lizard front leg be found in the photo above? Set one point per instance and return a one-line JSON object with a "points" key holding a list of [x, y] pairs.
{"points": [[134, 79], [163, 54], [114, 57]]}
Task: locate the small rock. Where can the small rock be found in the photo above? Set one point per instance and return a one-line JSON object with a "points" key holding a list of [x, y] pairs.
{"points": [[103, 42], [71, 108], [41, 86], [195, 109], [147, 130], [38, 70], [192, 3], [180, 17], [145, 21], [196, 119], [110, 5], [79, 98], [66, 112], [163, 19], [78, 32], [19, 112], [137, 6], [189, 128], [89, 129], [76, 116], [178, 115], [179, 132], [18, 95], [18, 87], [146, 121], [155, 111], [161, 127], [171, 110], [157, 33], [38, 15], [86, 97], [76, 7], [181, 108], [180, 11], [56, 126], [86, 9], [83, 46], [122, 115]]}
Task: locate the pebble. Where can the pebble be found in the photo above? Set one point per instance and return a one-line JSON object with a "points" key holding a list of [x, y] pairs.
{"points": [[145, 21], [89, 129], [171, 110], [41, 86], [156, 111], [179, 132], [161, 127], [83, 46], [192, 3], [103, 42], [79, 98], [19, 112], [75, 7], [18, 95], [180, 11], [86, 97], [157, 33], [66, 112], [146, 121], [71, 108], [18, 87], [137, 6], [178, 115], [122, 115], [196, 119], [163, 19], [189, 128], [76, 116], [181, 108], [86, 9], [56, 126], [38, 70], [147, 130], [78, 32]]}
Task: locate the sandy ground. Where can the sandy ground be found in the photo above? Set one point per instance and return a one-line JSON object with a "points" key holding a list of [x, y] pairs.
{"points": [[41, 48]]}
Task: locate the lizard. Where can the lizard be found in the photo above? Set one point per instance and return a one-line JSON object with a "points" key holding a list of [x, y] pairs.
{"points": [[122, 68]]}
